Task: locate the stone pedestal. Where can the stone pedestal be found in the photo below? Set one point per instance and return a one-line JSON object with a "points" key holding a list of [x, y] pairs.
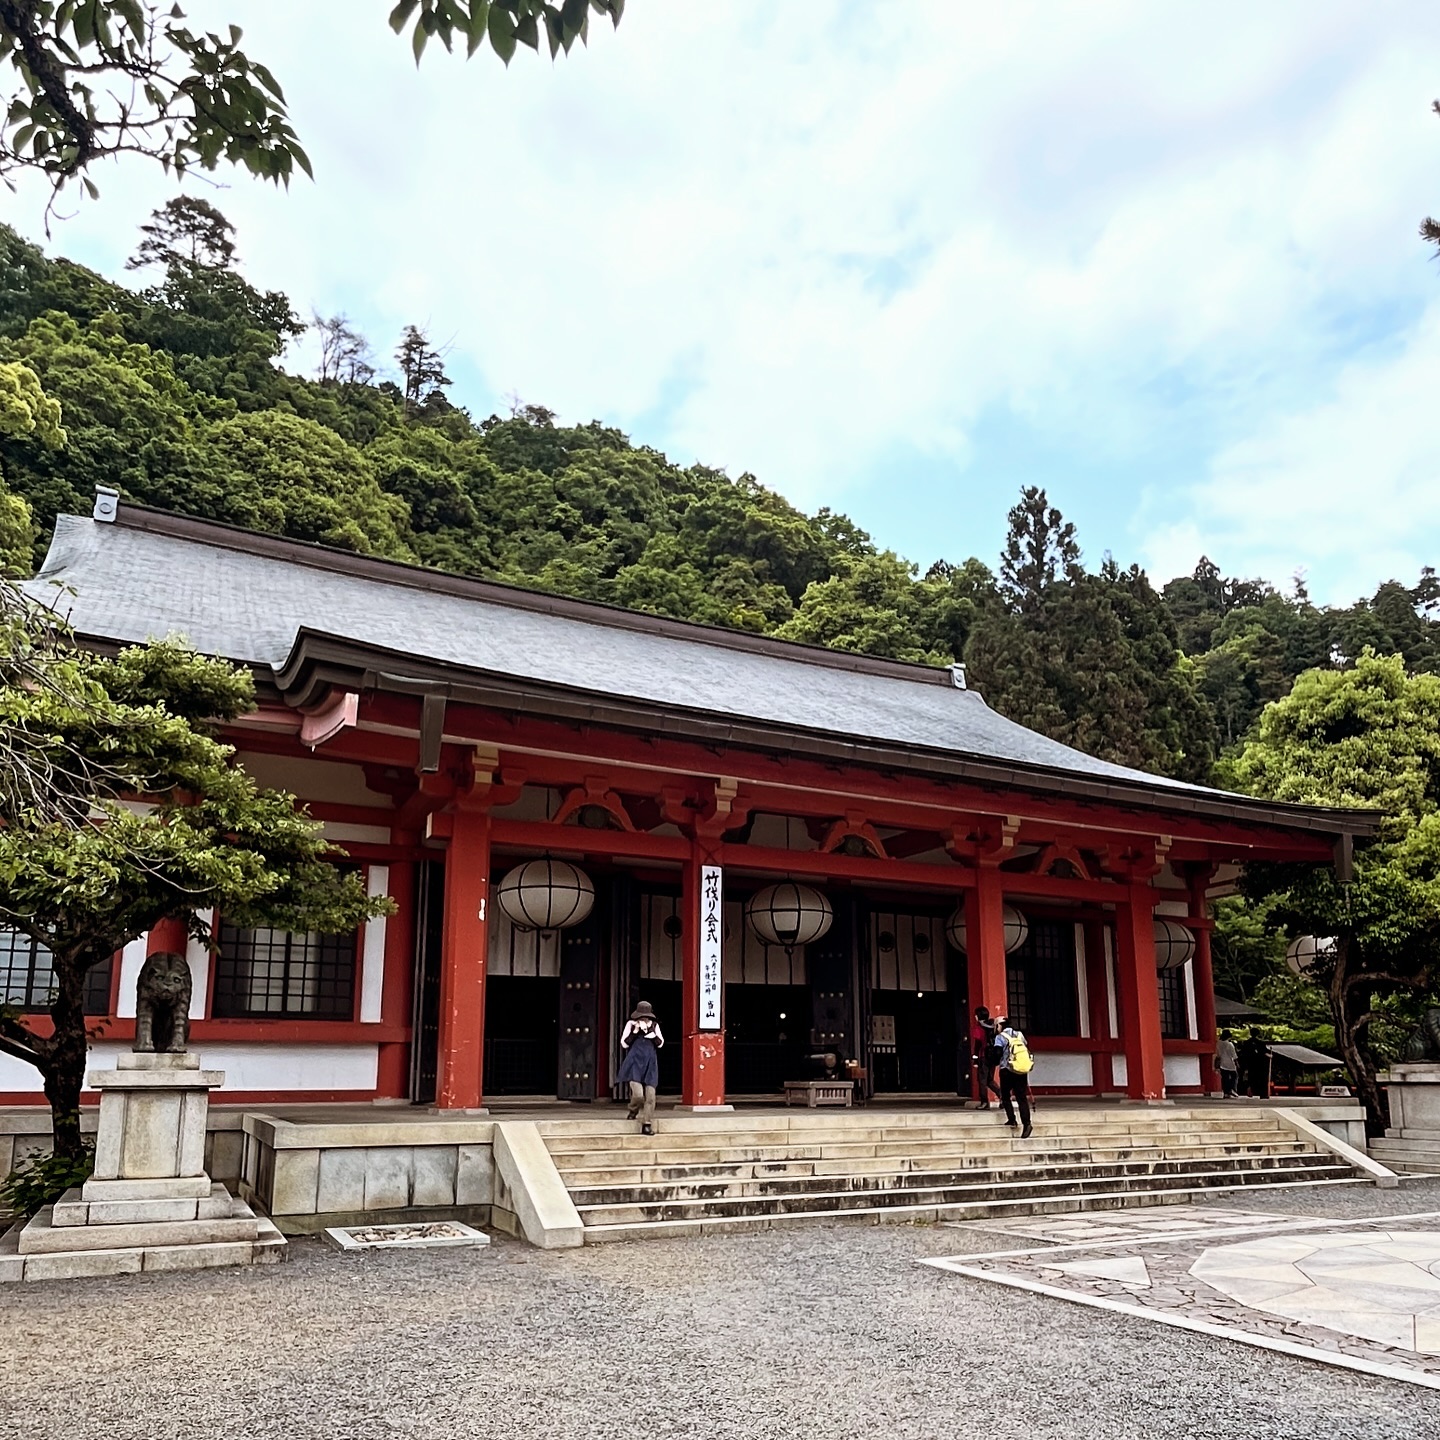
{"points": [[1412, 1141], [149, 1205]]}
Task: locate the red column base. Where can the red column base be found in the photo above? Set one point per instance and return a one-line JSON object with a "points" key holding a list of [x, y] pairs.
{"points": [[705, 1072]]}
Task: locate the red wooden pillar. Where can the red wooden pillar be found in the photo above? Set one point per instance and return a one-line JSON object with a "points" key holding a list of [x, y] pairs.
{"points": [[1139, 994], [393, 1078], [1202, 976], [1097, 989], [985, 944], [702, 1062], [168, 935], [463, 956]]}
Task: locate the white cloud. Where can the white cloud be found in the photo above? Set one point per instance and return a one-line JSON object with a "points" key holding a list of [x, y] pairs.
{"points": [[1350, 484], [782, 241]]}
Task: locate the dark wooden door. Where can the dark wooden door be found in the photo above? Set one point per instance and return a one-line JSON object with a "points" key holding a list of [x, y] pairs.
{"points": [[425, 1031], [579, 1010], [831, 965]]}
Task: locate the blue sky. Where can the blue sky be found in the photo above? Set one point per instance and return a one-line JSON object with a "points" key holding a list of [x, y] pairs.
{"points": [[1161, 260]]}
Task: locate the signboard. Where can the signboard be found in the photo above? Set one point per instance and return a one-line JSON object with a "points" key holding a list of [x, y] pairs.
{"points": [[882, 1032], [712, 941], [1335, 1090]]}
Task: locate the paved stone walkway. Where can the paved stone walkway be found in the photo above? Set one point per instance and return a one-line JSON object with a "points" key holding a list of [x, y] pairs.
{"points": [[1348, 1291], [830, 1331]]}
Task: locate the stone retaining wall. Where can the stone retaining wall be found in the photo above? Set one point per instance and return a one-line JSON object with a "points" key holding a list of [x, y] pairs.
{"points": [[309, 1176]]}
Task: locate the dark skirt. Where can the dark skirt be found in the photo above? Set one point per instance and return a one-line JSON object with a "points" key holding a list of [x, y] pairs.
{"points": [[640, 1064]]}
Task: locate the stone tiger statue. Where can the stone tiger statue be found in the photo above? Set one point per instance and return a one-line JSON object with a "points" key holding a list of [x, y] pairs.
{"points": [[162, 1005], [1424, 1045]]}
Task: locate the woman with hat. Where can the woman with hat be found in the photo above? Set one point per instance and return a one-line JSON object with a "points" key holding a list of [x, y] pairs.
{"points": [[640, 1041]]}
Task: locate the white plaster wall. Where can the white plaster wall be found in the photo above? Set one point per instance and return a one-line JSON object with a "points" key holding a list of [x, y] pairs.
{"points": [[341, 831], [372, 950], [132, 957], [246, 1066], [1056, 1069], [1082, 982], [1179, 1070], [197, 957], [1111, 996]]}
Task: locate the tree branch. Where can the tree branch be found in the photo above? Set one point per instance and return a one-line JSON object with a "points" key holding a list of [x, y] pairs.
{"points": [[18, 1042]]}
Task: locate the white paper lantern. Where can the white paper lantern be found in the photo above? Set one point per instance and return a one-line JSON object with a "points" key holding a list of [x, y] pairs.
{"points": [[1304, 950], [1017, 929], [545, 895], [788, 914], [1174, 944]]}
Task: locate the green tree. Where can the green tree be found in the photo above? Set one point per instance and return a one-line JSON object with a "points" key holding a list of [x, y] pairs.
{"points": [[1368, 736], [871, 605], [140, 816], [95, 79], [27, 416], [1089, 659], [185, 231], [422, 367]]}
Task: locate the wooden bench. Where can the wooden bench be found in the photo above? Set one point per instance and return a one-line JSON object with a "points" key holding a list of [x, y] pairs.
{"points": [[819, 1092]]}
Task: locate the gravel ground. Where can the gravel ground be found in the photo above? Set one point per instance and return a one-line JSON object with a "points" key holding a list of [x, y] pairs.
{"points": [[823, 1331]]}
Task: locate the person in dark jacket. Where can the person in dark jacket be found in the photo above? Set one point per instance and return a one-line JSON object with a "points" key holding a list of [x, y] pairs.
{"points": [[1014, 1084], [1255, 1064], [982, 1046], [640, 1042]]}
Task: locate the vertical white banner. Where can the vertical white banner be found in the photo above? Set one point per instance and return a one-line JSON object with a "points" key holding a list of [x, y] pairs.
{"points": [[712, 941]]}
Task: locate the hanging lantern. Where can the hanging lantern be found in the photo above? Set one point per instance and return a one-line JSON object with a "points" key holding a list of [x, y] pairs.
{"points": [[1304, 950], [1174, 944], [788, 914], [545, 895], [1017, 929]]}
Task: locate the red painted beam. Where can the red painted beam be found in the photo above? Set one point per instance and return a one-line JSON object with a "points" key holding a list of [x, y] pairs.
{"points": [[541, 835]]}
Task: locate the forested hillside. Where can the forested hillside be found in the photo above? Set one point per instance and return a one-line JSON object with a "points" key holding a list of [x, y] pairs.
{"points": [[175, 393]]}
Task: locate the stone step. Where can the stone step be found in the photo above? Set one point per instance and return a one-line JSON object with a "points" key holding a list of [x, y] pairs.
{"points": [[761, 1132], [266, 1248], [43, 1237], [925, 1197], [1014, 1153], [603, 1233], [1414, 1157], [707, 1189], [658, 1149], [795, 1118]]}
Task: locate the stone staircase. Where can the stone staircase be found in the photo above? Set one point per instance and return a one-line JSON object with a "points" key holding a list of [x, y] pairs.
{"points": [[726, 1173]]}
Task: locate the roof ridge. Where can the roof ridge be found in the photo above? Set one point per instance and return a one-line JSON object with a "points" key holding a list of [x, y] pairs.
{"points": [[382, 570]]}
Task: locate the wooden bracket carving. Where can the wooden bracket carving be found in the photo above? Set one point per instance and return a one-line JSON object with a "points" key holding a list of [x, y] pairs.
{"points": [[1136, 860], [594, 792], [854, 826], [1062, 853], [990, 841]]}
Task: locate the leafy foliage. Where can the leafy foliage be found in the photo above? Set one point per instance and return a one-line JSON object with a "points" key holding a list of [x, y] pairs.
{"points": [[1365, 736], [135, 814], [43, 1179], [97, 79]]}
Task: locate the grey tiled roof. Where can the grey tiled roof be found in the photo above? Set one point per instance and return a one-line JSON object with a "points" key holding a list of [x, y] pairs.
{"points": [[134, 584]]}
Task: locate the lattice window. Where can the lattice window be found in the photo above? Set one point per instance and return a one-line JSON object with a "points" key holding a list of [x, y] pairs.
{"points": [[1043, 991], [284, 972], [1174, 1011], [27, 979]]}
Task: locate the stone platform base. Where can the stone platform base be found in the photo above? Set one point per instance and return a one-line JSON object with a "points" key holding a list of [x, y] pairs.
{"points": [[63, 1242]]}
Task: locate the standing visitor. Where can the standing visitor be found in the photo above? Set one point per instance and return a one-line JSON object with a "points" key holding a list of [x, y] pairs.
{"points": [[1255, 1062], [1015, 1066], [640, 1069], [1227, 1062], [982, 1048]]}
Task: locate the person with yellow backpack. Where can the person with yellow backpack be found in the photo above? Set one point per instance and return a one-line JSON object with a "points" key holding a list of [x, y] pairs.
{"points": [[1016, 1063]]}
